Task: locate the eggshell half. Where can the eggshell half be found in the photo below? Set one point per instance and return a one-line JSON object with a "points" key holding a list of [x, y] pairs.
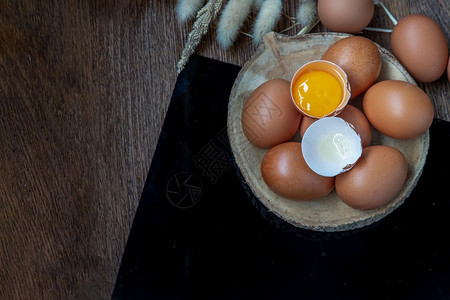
{"points": [[353, 116]]}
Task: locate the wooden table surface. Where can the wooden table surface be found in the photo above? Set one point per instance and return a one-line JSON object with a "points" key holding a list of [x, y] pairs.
{"points": [[84, 88]]}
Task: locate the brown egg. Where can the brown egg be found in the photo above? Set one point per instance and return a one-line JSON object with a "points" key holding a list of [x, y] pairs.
{"points": [[420, 45], [345, 15], [305, 123], [376, 179], [286, 173], [359, 121], [398, 109], [269, 116], [360, 59], [353, 116]]}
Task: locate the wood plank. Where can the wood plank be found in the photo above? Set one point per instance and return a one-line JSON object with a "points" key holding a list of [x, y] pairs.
{"points": [[84, 88]]}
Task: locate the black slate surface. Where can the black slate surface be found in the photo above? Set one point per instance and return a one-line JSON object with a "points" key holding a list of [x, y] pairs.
{"points": [[198, 234]]}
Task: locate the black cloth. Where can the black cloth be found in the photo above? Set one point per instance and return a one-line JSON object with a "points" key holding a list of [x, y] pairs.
{"points": [[199, 232]]}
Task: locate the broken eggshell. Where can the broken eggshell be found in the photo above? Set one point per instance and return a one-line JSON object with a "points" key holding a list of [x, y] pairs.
{"points": [[331, 146]]}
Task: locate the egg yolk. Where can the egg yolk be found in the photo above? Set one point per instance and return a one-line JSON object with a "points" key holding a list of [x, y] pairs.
{"points": [[317, 93]]}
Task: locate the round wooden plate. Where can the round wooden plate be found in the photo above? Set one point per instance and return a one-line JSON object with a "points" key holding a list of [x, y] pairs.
{"points": [[279, 57]]}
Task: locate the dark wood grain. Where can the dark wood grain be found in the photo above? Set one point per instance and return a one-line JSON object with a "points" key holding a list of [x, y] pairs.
{"points": [[84, 88]]}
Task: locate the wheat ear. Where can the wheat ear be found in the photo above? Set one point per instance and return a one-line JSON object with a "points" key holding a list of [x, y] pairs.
{"points": [[257, 4], [186, 9], [200, 28], [307, 11], [231, 20], [267, 18]]}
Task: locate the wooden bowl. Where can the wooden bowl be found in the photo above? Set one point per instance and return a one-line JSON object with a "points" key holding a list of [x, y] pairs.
{"points": [[279, 57]]}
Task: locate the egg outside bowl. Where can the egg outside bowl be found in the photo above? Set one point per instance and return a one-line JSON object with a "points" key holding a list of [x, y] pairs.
{"points": [[279, 57], [332, 69]]}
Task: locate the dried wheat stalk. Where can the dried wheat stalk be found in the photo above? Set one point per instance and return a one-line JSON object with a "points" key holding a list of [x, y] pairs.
{"points": [[268, 16], [231, 20], [187, 9], [200, 28]]}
